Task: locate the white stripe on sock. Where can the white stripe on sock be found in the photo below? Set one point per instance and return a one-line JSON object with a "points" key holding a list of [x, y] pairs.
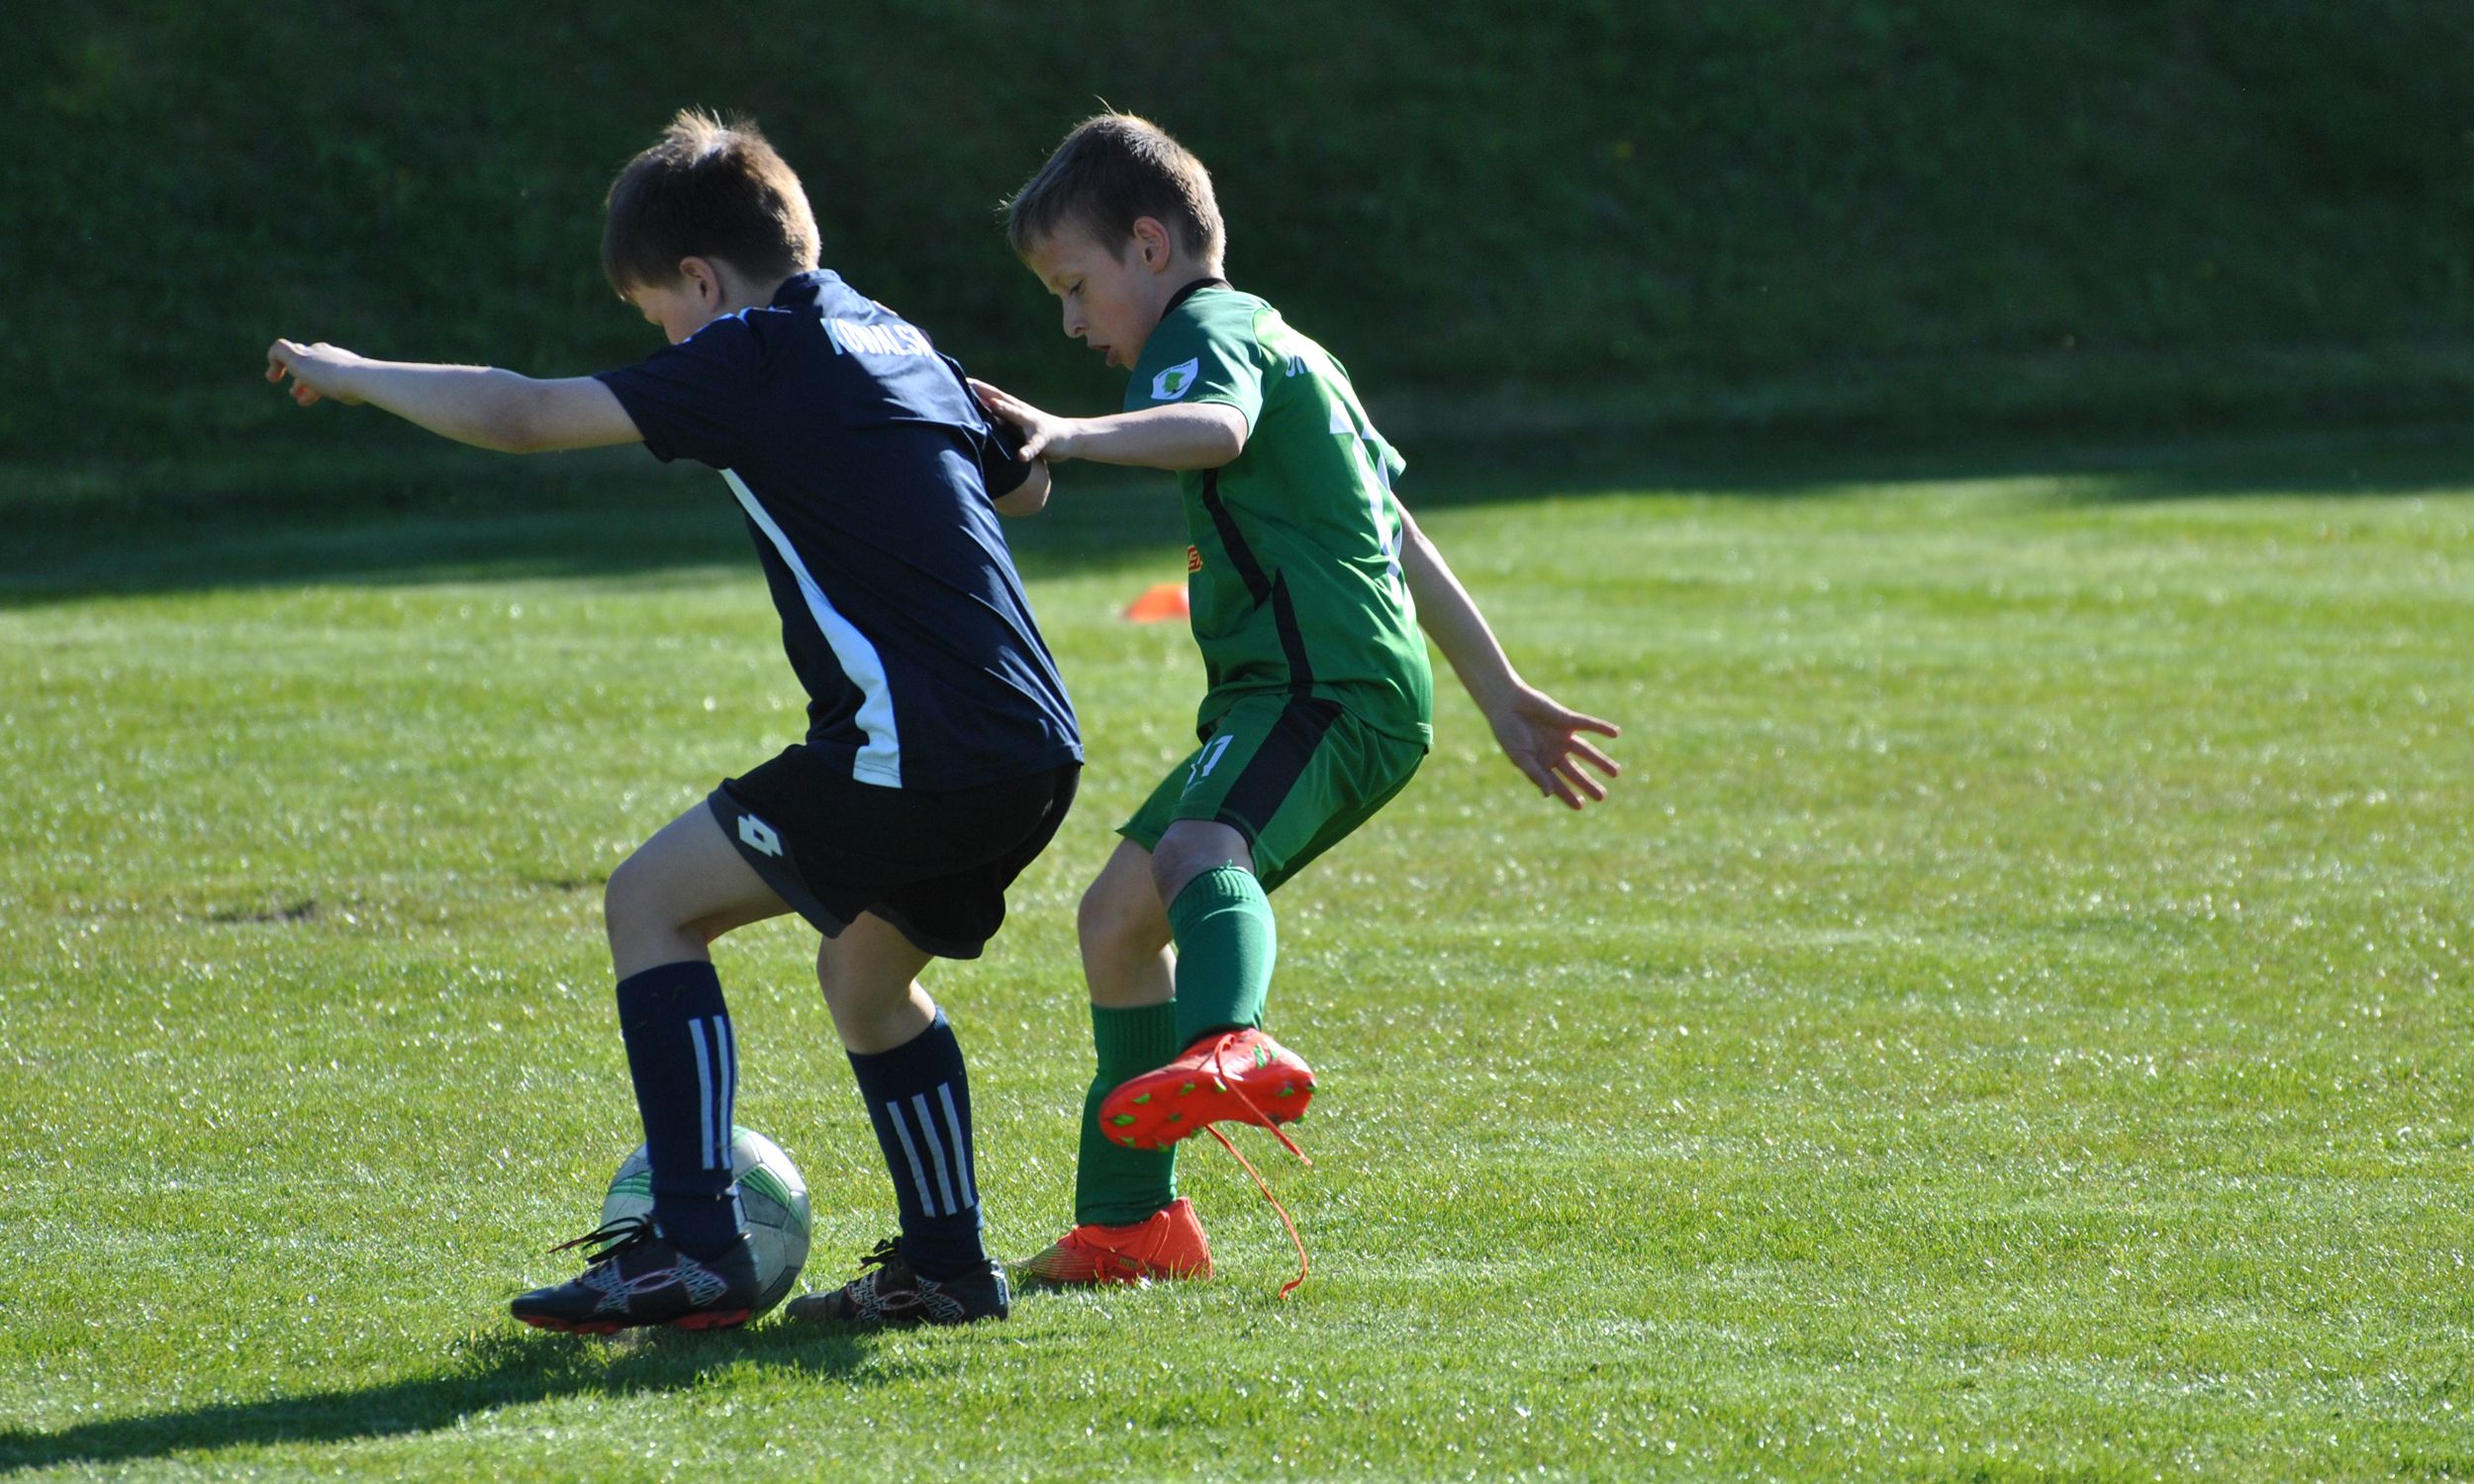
{"points": [[962, 1146], [725, 1060], [704, 1086], [919, 1176], [936, 1150]]}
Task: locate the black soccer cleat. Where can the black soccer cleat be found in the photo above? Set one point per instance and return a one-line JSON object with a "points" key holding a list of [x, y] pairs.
{"points": [[637, 1277], [890, 1294]]}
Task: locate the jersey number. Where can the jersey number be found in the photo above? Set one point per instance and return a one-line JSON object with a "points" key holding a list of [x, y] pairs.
{"points": [[1377, 496], [1207, 759]]}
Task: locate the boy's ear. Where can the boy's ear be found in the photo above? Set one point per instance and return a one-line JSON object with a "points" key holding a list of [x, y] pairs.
{"points": [[701, 276], [1154, 248]]}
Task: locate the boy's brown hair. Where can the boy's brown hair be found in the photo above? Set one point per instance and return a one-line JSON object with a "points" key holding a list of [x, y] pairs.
{"points": [[1113, 169], [707, 189]]}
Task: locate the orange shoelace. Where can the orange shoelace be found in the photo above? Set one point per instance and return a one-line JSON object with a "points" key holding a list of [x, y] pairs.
{"points": [[1305, 1266]]}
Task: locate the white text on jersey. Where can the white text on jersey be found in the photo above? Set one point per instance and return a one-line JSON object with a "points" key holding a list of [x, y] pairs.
{"points": [[879, 340]]}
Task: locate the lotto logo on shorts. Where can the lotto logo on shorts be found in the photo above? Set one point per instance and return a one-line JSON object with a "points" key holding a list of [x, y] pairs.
{"points": [[758, 836], [1194, 559]]}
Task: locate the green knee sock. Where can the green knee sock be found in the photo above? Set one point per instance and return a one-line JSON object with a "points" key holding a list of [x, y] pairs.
{"points": [[1113, 1185], [1225, 946]]}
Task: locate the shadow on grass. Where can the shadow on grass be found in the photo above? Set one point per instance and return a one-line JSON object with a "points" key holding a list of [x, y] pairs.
{"points": [[446, 514], [498, 1371]]}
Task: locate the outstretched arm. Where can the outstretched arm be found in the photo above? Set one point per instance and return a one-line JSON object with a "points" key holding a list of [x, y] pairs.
{"points": [[477, 405], [1540, 734], [1198, 435]]}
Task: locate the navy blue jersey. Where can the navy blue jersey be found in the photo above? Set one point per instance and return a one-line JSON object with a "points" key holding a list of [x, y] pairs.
{"points": [[865, 468]]}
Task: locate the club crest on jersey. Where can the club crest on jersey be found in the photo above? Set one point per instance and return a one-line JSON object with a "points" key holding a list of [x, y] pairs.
{"points": [[1194, 559], [1176, 381]]}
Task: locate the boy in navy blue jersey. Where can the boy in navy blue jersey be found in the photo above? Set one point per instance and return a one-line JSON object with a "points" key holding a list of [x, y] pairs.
{"points": [[941, 750]]}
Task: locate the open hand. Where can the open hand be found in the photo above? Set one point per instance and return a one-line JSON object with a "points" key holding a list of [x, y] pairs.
{"points": [[1041, 433], [1541, 737], [319, 372]]}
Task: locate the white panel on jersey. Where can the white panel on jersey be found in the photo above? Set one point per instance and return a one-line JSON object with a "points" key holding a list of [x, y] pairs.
{"points": [[880, 762]]}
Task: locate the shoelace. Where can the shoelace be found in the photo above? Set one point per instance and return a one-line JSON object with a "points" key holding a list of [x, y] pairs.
{"points": [[872, 1302], [623, 1235], [1304, 1265]]}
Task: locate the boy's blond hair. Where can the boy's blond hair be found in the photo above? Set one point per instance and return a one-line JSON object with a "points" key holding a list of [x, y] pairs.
{"points": [[1110, 171], [707, 189]]}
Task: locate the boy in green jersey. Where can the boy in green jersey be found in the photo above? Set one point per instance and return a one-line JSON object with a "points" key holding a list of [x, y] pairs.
{"points": [[1308, 584]]}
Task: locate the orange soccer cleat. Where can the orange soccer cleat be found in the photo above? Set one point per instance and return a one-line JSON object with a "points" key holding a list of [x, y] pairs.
{"points": [[1166, 1245], [1228, 1076]]}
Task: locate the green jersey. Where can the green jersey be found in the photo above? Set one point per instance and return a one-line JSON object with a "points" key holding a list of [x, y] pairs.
{"points": [[1293, 574]]}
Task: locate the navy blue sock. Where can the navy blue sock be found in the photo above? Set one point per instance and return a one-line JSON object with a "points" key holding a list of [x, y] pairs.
{"points": [[686, 1068], [920, 1103]]}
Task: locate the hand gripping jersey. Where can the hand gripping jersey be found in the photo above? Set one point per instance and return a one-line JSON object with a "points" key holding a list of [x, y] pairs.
{"points": [[865, 467], [1293, 574]]}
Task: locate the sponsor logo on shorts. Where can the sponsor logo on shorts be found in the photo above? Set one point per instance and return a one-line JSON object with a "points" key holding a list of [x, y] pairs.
{"points": [[1176, 381], [759, 836]]}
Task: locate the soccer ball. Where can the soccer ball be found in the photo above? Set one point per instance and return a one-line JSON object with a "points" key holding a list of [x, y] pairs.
{"points": [[771, 1194]]}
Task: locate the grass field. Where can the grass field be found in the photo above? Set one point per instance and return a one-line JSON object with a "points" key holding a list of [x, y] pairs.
{"points": [[2012, 1022]]}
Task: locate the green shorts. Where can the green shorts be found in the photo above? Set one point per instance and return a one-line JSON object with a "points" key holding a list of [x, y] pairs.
{"points": [[1294, 777]]}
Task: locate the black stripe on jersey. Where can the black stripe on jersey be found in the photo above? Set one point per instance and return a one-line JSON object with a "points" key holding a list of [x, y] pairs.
{"points": [[1262, 586], [1277, 764], [1240, 555], [1292, 640]]}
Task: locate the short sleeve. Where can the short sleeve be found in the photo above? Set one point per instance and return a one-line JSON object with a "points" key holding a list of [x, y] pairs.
{"points": [[1393, 464], [1000, 459], [693, 399], [1194, 357], [1001, 467]]}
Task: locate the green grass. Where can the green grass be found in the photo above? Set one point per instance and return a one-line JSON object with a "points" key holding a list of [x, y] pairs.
{"points": [[2011, 1022]]}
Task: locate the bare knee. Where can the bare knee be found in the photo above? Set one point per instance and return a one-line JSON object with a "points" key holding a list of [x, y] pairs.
{"points": [[1191, 847], [1121, 918], [870, 978], [833, 978], [628, 897], [643, 918]]}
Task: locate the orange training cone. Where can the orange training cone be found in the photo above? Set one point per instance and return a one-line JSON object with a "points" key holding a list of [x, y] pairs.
{"points": [[1159, 604]]}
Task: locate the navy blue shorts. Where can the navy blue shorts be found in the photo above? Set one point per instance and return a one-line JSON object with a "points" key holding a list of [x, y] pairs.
{"points": [[936, 865]]}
